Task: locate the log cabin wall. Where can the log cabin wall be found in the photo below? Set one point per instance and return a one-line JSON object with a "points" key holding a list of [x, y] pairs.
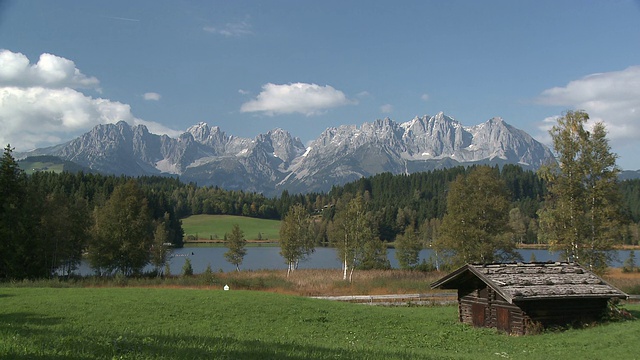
{"points": [[505, 316], [485, 308], [472, 306], [565, 311]]}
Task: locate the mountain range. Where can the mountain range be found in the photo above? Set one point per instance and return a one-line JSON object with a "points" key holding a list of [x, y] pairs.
{"points": [[277, 161]]}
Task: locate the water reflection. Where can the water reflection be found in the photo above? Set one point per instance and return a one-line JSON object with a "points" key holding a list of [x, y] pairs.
{"points": [[268, 257]]}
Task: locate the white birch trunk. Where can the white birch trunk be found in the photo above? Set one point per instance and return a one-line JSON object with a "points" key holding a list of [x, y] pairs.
{"points": [[345, 266]]}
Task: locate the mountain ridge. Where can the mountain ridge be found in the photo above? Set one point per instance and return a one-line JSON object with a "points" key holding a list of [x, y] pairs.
{"points": [[276, 161]]}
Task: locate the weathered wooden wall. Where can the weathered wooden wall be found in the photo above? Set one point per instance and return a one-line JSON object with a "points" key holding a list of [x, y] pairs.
{"points": [[565, 311], [484, 308]]}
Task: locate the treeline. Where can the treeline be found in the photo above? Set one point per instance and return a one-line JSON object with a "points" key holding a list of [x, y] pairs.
{"points": [[420, 200], [48, 220]]}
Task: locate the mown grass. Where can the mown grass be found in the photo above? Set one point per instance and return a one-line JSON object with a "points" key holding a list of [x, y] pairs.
{"points": [[213, 227], [144, 323]]}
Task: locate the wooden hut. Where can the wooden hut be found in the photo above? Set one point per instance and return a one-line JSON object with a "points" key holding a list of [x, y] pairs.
{"points": [[521, 298]]}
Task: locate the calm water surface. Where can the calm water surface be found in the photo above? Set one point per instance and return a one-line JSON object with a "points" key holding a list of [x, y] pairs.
{"points": [[268, 257]]}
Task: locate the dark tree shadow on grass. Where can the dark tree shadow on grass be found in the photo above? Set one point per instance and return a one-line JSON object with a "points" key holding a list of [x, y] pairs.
{"points": [[634, 313], [43, 343]]}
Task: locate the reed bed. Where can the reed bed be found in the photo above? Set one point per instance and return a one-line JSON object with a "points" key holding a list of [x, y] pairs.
{"points": [[304, 282]]}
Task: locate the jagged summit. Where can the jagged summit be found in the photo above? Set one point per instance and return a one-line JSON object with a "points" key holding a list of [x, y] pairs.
{"points": [[276, 160]]}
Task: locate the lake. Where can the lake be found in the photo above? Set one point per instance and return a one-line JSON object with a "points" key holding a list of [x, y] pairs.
{"points": [[268, 257]]}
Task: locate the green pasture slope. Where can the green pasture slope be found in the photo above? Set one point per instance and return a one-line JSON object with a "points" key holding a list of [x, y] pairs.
{"points": [[143, 323], [215, 226]]}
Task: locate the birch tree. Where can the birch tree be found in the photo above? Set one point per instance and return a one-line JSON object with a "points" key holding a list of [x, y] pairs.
{"points": [[350, 230], [408, 247], [296, 237], [236, 245], [475, 226], [160, 249], [581, 215]]}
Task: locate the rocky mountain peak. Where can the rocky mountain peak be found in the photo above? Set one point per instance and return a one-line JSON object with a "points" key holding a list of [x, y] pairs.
{"points": [[276, 160]]}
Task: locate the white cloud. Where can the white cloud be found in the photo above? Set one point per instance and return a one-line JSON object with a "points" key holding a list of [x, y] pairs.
{"points": [[235, 29], [152, 96], [424, 97], [40, 105], [50, 71], [613, 98], [308, 99], [386, 108]]}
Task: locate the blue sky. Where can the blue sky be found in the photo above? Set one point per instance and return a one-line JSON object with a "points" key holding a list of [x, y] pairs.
{"points": [[251, 66]]}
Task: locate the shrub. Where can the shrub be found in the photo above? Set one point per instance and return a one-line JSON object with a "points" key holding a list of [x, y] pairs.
{"points": [[187, 269]]}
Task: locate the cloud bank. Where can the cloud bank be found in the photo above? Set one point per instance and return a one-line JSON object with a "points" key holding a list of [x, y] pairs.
{"points": [[50, 71], [612, 97], [307, 99], [42, 106]]}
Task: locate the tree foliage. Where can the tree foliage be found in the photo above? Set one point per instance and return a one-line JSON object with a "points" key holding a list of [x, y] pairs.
{"points": [[161, 246], [64, 230], [408, 247], [296, 237], [123, 232], [475, 227], [352, 233], [236, 245], [581, 216], [187, 268], [14, 219]]}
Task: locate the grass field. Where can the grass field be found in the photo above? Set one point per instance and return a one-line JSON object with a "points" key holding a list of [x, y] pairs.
{"points": [[144, 323], [213, 227], [31, 167]]}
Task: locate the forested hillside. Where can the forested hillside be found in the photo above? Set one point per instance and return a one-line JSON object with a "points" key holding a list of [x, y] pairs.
{"points": [[49, 219]]}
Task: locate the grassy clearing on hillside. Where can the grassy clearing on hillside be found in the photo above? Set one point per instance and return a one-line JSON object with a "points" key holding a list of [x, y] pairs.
{"points": [[35, 166], [213, 227], [136, 323]]}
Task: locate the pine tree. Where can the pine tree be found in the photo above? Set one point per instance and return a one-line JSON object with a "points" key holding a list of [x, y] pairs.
{"points": [[14, 219], [187, 268], [581, 214]]}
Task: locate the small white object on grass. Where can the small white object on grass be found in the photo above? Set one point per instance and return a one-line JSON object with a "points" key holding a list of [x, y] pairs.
{"points": [[226, 287]]}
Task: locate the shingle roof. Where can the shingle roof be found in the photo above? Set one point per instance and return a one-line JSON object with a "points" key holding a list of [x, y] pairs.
{"points": [[534, 281]]}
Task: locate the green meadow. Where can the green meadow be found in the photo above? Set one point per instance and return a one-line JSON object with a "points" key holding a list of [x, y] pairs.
{"points": [[213, 227], [163, 323]]}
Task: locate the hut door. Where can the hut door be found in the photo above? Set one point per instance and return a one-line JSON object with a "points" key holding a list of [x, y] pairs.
{"points": [[504, 319], [477, 312]]}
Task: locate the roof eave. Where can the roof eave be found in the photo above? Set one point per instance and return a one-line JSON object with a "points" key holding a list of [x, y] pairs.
{"points": [[574, 296]]}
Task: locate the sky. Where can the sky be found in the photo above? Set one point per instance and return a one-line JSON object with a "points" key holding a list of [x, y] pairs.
{"points": [[303, 66]]}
